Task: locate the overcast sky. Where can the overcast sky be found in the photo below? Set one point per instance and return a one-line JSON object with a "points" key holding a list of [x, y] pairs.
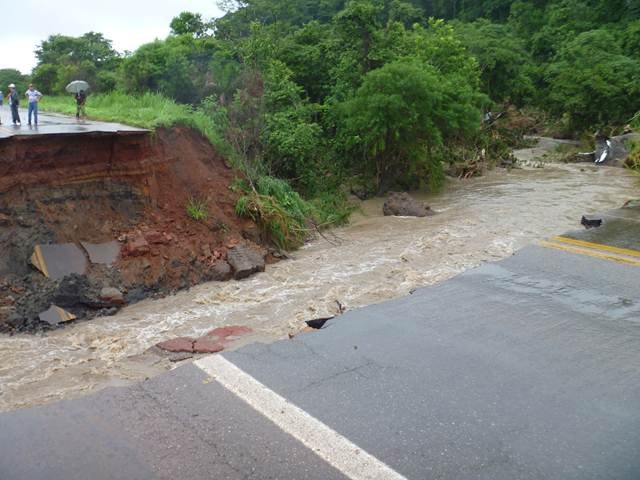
{"points": [[128, 23]]}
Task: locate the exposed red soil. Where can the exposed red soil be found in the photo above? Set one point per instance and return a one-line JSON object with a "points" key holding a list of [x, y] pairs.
{"points": [[133, 187]]}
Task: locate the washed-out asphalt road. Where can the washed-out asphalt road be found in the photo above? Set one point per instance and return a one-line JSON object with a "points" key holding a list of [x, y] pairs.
{"points": [[528, 368], [53, 123]]}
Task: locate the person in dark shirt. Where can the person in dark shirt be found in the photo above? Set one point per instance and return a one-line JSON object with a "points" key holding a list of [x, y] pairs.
{"points": [[14, 102], [81, 100]]}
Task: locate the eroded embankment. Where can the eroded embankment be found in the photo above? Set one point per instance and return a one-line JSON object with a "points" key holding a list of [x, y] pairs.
{"points": [[125, 193]]}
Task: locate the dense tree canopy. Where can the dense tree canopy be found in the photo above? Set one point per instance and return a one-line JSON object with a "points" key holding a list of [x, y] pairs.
{"points": [[62, 59], [381, 90], [591, 81], [11, 75]]}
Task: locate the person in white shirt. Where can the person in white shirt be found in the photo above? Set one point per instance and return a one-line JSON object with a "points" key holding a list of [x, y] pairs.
{"points": [[33, 97]]}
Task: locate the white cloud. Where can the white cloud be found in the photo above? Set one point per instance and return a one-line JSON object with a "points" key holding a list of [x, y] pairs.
{"points": [[128, 23]]}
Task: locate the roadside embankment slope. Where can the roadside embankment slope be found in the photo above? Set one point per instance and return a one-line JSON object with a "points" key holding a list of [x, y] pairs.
{"points": [[94, 188]]}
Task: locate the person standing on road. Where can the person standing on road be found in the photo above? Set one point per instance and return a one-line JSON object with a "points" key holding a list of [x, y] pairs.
{"points": [[81, 99], [33, 96], [14, 102]]}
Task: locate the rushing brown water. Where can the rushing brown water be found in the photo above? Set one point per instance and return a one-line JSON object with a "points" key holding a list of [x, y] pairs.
{"points": [[375, 258]]}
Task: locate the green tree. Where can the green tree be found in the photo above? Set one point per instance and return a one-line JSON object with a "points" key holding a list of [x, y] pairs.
{"points": [[401, 115], [592, 82], [564, 19], [11, 75], [179, 67], [507, 70], [631, 39], [526, 17], [242, 13], [308, 52], [189, 23], [292, 139], [62, 59], [438, 44]]}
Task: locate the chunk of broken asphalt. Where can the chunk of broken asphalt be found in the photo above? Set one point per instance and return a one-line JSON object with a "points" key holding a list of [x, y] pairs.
{"points": [[590, 222], [318, 323], [55, 315], [103, 253], [59, 260]]}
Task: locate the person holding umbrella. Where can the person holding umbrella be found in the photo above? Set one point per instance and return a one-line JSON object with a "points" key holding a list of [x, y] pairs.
{"points": [[81, 99], [33, 97], [14, 101], [79, 87]]}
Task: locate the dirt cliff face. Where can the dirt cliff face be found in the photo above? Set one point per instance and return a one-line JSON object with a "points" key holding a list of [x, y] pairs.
{"points": [[132, 188]]}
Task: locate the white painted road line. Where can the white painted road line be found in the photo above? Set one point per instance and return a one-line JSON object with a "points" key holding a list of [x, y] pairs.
{"points": [[345, 456]]}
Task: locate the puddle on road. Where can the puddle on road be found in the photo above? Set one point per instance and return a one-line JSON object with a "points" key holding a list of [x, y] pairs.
{"points": [[377, 258]]}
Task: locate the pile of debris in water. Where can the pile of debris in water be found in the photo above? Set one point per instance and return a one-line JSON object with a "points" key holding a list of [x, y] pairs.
{"points": [[612, 151]]}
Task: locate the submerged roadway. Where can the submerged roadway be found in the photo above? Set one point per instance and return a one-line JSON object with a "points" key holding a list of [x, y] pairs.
{"points": [[527, 368]]}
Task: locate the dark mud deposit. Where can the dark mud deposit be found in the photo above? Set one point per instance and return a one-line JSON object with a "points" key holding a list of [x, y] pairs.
{"points": [[127, 187]]}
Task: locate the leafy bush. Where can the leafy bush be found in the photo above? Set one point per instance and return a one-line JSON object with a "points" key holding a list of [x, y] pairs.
{"points": [[400, 116]]}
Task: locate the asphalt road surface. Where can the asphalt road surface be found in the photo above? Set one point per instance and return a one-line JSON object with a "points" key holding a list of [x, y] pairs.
{"points": [[528, 368], [53, 123]]}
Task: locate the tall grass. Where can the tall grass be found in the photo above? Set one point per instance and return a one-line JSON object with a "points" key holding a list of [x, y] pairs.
{"points": [[148, 110], [277, 209], [284, 215]]}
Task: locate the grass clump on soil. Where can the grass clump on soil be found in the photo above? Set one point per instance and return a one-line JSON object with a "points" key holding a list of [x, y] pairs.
{"points": [[284, 215], [148, 110], [277, 209], [197, 209]]}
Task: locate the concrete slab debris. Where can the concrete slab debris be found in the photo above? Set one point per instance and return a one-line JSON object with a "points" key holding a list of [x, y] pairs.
{"points": [[56, 315], [59, 260], [103, 253]]}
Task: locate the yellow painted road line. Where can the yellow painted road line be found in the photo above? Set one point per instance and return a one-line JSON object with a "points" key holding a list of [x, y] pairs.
{"points": [[591, 253], [597, 246]]}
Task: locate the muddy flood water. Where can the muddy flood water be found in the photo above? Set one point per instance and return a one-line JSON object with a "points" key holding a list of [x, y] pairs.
{"points": [[375, 258]]}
